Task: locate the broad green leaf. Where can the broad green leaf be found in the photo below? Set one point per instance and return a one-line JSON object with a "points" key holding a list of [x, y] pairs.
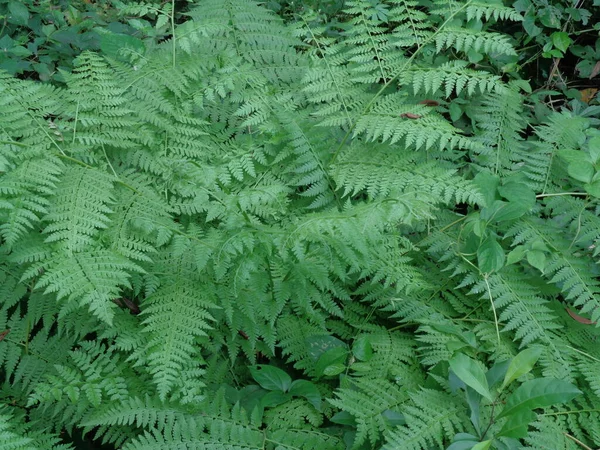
{"points": [[308, 390], [470, 373], [518, 193], [117, 45], [463, 441], [362, 349], [317, 345], [561, 40], [18, 13], [510, 211], [539, 393], [334, 369], [393, 418], [594, 148], [581, 170], [593, 188], [537, 259], [484, 445], [344, 418], [463, 445], [517, 426], [275, 398], [271, 378], [497, 372], [487, 184], [335, 357], [516, 254], [569, 155], [521, 364], [490, 256]]}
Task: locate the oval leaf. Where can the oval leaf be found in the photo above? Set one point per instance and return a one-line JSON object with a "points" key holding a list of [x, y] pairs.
{"points": [[306, 389], [521, 364], [539, 393], [271, 378], [490, 256], [581, 170], [470, 373], [362, 349], [485, 445]]}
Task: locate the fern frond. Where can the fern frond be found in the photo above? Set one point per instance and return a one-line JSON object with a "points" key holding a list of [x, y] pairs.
{"points": [[367, 401], [465, 40], [432, 418], [449, 78], [499, 122], [174, 315], [381, 171], [94, 278], [79, 208], [521, 308]]}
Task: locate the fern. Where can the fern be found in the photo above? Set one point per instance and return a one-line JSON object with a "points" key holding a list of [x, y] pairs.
{"points": [[270, 234], [430, 415]]}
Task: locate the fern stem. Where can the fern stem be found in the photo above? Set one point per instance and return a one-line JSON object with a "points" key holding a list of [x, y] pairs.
{"points": [[391, 80], [578, 442], [583, 353], [173, 40], [489, 290], [577, 411], [562, 194]]}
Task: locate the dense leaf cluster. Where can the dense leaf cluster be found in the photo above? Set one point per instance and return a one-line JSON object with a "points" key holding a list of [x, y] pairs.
{"points": [[314, 234]]}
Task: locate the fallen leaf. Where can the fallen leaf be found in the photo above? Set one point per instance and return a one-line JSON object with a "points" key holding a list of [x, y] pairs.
{"points": [[588, 94], [410, 116], [579, 318]]}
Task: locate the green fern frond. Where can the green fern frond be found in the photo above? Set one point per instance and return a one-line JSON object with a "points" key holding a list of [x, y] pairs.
{"points": [[421, 131], [449, 78], [562, 131], [499, 124], [519, 305], [465, 40], [381, 171], [17, 433], [367, 400], [79, 208], [94, 278], [174, 315], [432, 418]]}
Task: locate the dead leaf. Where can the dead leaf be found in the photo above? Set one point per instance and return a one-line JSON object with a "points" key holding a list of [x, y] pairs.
{"points": [[579, 318], [588, 94], [410, 116]]}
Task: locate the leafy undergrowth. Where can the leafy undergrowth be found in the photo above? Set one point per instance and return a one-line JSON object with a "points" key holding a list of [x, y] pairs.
{"points": [[360, 227]]}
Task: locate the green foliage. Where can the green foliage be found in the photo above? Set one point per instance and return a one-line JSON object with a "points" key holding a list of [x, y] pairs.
{"points": [[345, 230], [40, 39]]}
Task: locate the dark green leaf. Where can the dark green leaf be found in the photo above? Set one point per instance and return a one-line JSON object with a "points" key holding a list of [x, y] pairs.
{"points": [[271, 378], [521, 364], [308, 390], [561, 40], [490, 256], [335, 357], [18, 13], [362, 349], [539, 393], [471, 373], [581, 170]]}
